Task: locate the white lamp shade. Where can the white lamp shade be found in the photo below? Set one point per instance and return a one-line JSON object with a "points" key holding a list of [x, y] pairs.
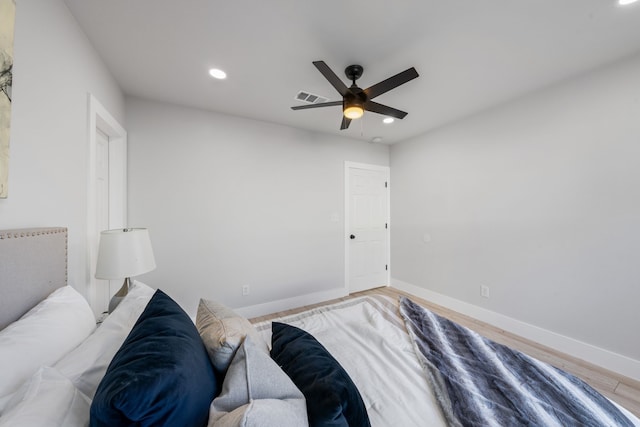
{"points": [[124, 253]]}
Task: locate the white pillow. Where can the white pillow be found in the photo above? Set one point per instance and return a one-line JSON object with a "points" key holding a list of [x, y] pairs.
{"points": [[257, 393], [86, 364], [42, 336], [48, 399]]}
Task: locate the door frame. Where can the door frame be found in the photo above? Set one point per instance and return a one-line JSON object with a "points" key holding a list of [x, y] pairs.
{"points": [[100, 118], [347, 226]]}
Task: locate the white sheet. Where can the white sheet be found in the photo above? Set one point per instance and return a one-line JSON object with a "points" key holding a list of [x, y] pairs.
{"points": [[86, 364], [42, 336], [368, 338], [377, 354], [48, 399]]}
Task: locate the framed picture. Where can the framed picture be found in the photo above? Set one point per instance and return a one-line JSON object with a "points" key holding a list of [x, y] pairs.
{"points": [[7, 24]]}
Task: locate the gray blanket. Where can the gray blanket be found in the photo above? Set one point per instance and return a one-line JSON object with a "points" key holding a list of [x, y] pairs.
{"points": [[482, 383]]}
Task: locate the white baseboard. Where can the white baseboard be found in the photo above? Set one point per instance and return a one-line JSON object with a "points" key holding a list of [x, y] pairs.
{"points": [[598, 356], [289, 303]]}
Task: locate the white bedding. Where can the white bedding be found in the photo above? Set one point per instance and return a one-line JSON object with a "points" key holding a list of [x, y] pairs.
{"points": [[47, 399], [61, 395], [41, 337], [86, 364], [368, 338]]}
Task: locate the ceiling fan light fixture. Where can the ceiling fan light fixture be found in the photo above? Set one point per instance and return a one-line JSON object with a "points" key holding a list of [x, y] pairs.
{"points": [[353, 112], [353, 108]]}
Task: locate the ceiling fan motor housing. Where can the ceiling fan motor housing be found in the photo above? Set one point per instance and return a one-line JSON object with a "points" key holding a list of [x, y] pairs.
{"points": [[354, 72]]}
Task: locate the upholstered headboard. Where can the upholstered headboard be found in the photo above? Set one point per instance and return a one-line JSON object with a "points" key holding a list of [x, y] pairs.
{"points": [[33, 263]]}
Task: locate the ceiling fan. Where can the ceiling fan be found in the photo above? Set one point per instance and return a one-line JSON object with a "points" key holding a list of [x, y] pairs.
{"points": [[355, 100]]}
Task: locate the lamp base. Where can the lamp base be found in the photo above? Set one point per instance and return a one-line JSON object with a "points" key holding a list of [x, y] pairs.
{"points": [[122, 292]]}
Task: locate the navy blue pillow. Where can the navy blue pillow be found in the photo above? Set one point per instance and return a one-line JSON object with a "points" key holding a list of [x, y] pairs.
{"points": [[161, 376], [332, 398]]}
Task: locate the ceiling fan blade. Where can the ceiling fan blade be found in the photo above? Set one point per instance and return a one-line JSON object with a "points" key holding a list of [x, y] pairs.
{"points": [[345, 123], [384, 110], [321, 104], [391, 83], [331, 76]]}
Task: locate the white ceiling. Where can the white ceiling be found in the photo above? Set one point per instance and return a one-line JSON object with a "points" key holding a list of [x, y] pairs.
{"points": [[471, 54]]}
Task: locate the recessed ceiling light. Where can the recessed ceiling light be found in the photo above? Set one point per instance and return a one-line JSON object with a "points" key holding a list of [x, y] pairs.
{"points": [[217, 74], [626, 2], [376, 139], [388, 120]]}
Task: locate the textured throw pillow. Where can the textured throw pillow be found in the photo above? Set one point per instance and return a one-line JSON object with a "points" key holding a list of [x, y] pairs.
{"points": [[42, 336], [257, 393], [332, 398], [161, 376], [48, 399], [222, 332]]}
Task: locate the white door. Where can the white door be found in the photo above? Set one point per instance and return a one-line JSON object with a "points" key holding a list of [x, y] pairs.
{"points": [[107, 198], [102, 204], [366, 226]]}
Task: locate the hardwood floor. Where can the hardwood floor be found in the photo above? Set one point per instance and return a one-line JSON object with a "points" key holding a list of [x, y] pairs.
{"points": [[624, 391]]}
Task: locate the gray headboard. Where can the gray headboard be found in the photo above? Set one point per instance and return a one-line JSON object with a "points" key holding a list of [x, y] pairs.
{"points": [[33, 263]]}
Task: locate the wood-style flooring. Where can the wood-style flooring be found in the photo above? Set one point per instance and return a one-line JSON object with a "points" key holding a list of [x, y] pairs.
{"points": [[620, 389]]}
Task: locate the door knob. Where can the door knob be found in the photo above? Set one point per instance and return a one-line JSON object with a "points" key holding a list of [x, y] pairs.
{"points": [[352, 237]]}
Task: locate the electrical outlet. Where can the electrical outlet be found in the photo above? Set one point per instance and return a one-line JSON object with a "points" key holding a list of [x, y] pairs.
{"points": [[484, 291], [245, 290]]}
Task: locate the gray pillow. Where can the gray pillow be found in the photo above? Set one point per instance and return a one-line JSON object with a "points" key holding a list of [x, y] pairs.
{"points": [[257, 393], [222, 332]]}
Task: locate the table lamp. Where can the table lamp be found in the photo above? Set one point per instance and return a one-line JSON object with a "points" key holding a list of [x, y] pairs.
{"points": [[124, 253]]}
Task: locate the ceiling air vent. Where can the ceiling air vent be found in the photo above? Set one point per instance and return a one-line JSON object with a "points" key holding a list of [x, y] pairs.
{"points": [[310, 98]]}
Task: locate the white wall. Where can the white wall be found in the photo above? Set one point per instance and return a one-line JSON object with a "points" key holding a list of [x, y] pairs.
{"points": [[231, 202], [55, 67], [539, 200]]}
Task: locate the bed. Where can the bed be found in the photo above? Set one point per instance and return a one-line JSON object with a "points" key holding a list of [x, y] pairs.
{"points": [[365, 361]]}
